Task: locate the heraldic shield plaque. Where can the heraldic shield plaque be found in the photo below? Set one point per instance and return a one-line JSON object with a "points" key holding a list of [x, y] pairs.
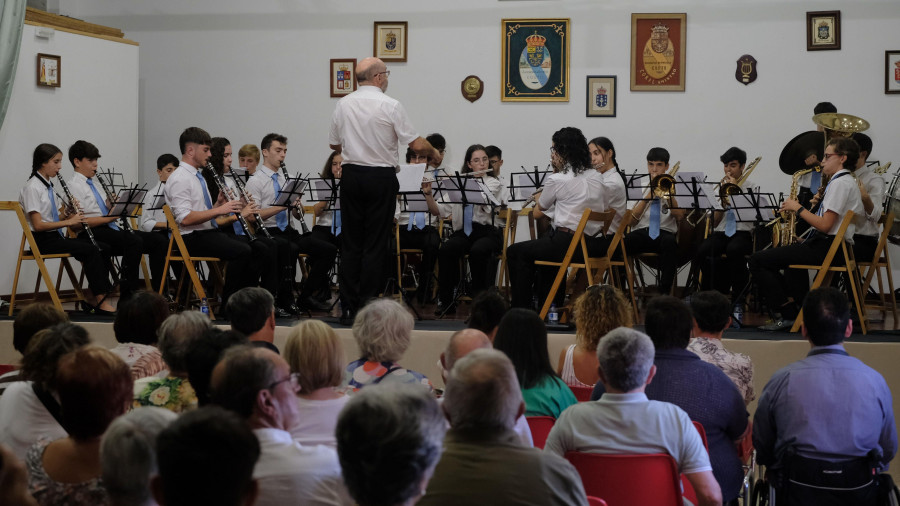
{"points": [[657, 52], [535, 60]]}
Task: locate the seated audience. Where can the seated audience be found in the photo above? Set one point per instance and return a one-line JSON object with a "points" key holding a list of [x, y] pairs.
{"points": [[173, 391], [522, 335], [625, 421], [136, 326], [483, 462], [28, 322], [128, 455], [702, 390], [598, 310], [258, 385], [29, 410], [488, 309], [206, 456], [252, 313], [314, 352], [94, 387], [13, 481], [382, 330], [712, 316], [204, 353], [389, 439], [826, 421], [459, 345]]}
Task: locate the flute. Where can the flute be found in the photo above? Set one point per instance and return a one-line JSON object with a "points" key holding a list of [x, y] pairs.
{"points": [[223, 188], [111, 197], [246, 196], [298, 206], [76, 206]]}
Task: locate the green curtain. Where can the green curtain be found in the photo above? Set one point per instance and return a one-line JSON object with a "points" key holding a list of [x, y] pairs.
{"points": [[12, 21]]}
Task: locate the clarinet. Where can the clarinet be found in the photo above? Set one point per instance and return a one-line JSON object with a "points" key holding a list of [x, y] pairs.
{"points": [[260, 226], [126, 225], [224, 189], [298, 207], [74, 204]]}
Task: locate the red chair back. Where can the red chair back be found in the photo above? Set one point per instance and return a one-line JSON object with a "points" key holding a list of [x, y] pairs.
{"points": [[595, 501], [540, 428], [5, 368], [702, 431], [625, 480], [583, 394]]}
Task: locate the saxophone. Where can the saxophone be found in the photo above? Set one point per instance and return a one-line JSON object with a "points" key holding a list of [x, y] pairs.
{"points": [[784, 232]]}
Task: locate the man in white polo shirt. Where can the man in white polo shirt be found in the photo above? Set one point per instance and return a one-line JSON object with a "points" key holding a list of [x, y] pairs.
{"points": [[367, 128]]}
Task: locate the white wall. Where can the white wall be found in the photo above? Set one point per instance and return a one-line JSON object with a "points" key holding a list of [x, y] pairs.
{"points": [[98, 102]]}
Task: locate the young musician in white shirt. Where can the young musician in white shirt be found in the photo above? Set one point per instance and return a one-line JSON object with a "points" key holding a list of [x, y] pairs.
{"points": [[152, 222]]}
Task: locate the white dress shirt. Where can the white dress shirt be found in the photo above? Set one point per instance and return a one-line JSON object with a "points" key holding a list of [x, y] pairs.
{"points": [[572, 194], [615, 196], [149, 217], [291, 473], [370, 126], [666, 220], [481, 213], [741, 226], [262, 190], [318, 419], [842, 195], [184, 194], [874, 185], [81, 191], [34, 197]]}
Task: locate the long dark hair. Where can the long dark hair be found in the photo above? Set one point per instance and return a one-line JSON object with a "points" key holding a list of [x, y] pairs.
{"points": [[43, 154], [523, 337], [326, 170], [217, 159], [607, 145], [469, 152], [571, 145]]}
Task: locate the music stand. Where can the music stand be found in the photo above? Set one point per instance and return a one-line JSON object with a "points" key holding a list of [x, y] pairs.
{"points": [[523, 185], [127, 201], [240, 172]]}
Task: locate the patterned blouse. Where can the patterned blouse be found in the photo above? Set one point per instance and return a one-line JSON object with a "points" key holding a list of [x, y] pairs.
{"points": [[736, 366], [362, 373], [46, 491]]}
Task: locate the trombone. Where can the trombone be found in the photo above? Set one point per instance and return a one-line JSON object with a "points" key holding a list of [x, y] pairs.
{"points": [[728, 189]]}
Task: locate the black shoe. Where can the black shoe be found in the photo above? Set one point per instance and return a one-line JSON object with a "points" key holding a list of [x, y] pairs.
{"points": [[312, 304], [347, 317], [441, 309], [779, 324], [283, 313], [94, 310]]}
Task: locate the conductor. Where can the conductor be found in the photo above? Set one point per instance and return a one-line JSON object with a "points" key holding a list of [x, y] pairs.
{"points": [[367, 128]]}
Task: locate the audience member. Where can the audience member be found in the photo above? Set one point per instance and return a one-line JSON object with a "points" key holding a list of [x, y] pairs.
{"points": [[389, 440], [825, 422], [252, 313], [174, 391], [206, 456], [483, 462], [94, 387], [29, 410], [702, 390], [598, 310], [13, 481], [712, 316], [28, 322], [488, 309], [625, 421], [258, 385], [382, 330], [522, 335], [459, 345], [136, 326], [128, 455], [314, 352], [204, 353]]}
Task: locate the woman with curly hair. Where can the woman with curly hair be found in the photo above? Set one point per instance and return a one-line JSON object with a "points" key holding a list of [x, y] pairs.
{"points": [[598, 310]]}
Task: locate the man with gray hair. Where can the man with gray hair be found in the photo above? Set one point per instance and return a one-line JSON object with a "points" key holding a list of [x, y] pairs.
{"points": [[624, 421], [258, 385], [252, 313], [483, 462]]}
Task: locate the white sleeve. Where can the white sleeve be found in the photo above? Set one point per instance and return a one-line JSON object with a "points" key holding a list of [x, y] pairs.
{"points": [[178, 196], [403, 127], [147, 219], [875, 188]]}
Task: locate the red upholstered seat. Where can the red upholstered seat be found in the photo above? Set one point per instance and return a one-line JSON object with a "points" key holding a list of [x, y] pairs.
{"points": [[625, 480], [540, 428]]}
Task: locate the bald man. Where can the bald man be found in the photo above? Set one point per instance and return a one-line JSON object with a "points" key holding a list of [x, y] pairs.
{"points": [[367, 128]]}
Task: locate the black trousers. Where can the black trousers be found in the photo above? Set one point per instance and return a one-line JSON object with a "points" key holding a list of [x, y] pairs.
{"points": [[323, 233], [264, 269], [321, 258], [666, 245], [774, 287], [92, 260], [242, 266], [127, 245], [155, 245], [368, 198], [429, 242], [482, 246], [552, 247], [728, 274], [864, 247]]}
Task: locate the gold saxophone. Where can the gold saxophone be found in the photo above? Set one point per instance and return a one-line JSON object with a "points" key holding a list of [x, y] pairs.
{"points": [[783, 233]]}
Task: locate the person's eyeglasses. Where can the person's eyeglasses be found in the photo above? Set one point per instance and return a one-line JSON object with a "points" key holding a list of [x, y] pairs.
{"points": [[386, 73], [829, 155], [294, 378]]}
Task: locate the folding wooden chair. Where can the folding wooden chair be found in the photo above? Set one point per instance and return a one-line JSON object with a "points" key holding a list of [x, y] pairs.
{"points": [[881, 261], [623, 262], [33, 253], [401, 254], [144, 270], [178, 252], [511, 220], [826, 270]]}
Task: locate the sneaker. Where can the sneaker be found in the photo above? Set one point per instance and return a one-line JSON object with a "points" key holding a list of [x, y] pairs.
{"points": [[779, 324], [737, 316]]}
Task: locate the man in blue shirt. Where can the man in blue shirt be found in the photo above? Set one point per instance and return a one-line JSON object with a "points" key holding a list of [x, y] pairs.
{"points": [[823, 415]]}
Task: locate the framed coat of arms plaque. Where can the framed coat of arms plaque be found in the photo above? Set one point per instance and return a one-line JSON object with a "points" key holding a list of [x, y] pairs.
{"points": [[535, 60], [657, 52]]}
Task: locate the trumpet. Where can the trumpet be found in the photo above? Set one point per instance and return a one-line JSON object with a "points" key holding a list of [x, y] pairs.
{"points": [[224, 189], [74, 207], [298, 205], [111, 197], [260, 226]]}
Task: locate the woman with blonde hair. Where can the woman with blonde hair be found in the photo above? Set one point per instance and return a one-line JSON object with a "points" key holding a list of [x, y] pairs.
{"points": [[314, 351], [598, 310]]}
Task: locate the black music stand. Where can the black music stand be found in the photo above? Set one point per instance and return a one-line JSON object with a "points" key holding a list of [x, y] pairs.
{"points": [[756, 207], [127, 202], [523, 185]]}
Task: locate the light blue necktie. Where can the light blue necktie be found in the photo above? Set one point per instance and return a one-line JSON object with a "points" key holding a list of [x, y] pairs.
{"points": [[336, 223], [53, 211], [815, 181], [654, 218], [730, 223], [419, 219], [281, 219], [103, 209], [468, 211], [206, 197]]}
